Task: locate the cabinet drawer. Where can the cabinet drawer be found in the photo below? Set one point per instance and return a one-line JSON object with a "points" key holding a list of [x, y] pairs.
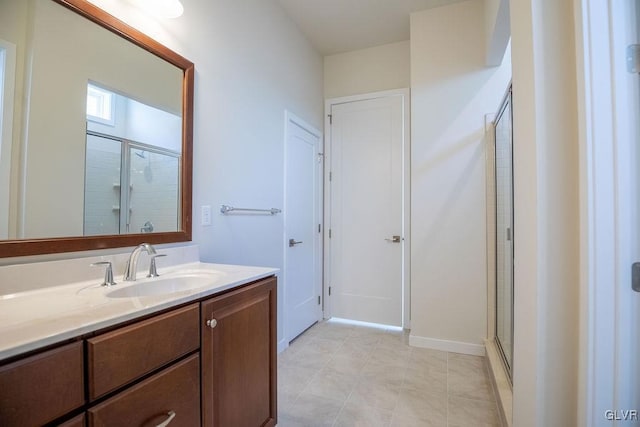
{"points": [[38, 389], [173, 390], [121, 356], [74, 422]]}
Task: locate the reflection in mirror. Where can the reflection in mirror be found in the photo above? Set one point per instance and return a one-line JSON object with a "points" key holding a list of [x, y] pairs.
{"points": [[54, 152], [132, 166], [80, 166], [7, 73]]}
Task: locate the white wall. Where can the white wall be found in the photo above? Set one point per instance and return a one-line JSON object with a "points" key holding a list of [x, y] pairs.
{"points": [[452, 90], [140, 122], [368, 70], [546, 214], [153, 126], [251, 64], [497, 30]]}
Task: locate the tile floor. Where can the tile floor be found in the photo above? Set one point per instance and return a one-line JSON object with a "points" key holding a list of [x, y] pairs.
{"points": [[344, 375]]}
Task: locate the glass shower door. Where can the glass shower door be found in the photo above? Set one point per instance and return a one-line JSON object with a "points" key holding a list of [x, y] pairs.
{"points": [[102, 186], [154, 184], [504, 230]]}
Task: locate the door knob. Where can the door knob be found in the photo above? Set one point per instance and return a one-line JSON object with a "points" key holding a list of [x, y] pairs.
{"points": [[394, 239], [292, 243]]}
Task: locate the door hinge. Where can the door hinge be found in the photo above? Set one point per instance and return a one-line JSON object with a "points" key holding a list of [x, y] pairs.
{"points": [[633, 58], [330, 176], [509, 233], [318, 228], [320, 157], [329, 290], [318, 299], [329, 233], [330, 118], [635, 276]]}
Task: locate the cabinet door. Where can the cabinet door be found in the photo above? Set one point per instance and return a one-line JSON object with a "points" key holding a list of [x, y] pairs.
{"points": [[239, 357], [38, 389]]}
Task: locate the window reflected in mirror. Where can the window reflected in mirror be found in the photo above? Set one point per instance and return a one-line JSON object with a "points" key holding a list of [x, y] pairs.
{"points": [[132, 166]]}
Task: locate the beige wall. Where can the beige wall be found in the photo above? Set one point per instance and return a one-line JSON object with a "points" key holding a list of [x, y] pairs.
{"points": [[452, 90], [368, 70], [13, 20], [546, 214]]}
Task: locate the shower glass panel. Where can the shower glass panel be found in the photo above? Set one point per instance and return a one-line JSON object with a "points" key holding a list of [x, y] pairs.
{"points": [[102, 186], [504, 230], [154, 179], [130, 187]]}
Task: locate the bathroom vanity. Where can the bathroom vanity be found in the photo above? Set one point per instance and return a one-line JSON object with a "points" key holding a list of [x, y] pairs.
{"points": [[195, 346], [200, 356]]}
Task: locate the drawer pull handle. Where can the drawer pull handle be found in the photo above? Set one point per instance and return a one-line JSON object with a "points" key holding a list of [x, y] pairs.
{"points": [[212, 323], [166, 422]]}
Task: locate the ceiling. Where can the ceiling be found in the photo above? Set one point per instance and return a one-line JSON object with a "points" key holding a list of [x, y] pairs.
{"points": [[335, 26]]}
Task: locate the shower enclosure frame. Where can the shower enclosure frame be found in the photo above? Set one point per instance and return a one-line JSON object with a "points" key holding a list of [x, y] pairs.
{"points": [[508, 362], [127, 145]]}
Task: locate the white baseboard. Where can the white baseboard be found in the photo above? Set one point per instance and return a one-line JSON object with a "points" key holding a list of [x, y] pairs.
{"points": [[444, 345], [282, 346]]}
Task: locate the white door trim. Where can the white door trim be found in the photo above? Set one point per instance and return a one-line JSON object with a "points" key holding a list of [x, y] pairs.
{"points": [[290, 117], [406, 165], [602, 277]]}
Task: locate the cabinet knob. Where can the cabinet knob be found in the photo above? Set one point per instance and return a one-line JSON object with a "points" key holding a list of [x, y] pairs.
{"points": [[212, 323]]}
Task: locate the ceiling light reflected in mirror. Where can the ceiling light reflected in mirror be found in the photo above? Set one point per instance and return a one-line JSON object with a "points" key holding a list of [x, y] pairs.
{"points": [[160, 8]]}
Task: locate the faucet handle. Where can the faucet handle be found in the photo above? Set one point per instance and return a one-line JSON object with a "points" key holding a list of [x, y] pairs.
{"points": [[153, 272], [108, 273]]}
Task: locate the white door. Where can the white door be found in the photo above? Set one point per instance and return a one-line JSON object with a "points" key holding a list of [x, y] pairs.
{"points": [[366, 209], [626, 31], [611, 212], [303, 213]]}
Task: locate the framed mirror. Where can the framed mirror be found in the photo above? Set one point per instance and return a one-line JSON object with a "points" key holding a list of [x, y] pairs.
{"points": [[96, 132]]}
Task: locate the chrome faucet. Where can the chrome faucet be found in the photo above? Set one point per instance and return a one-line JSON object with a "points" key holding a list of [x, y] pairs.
{"points": [[132, 264]]}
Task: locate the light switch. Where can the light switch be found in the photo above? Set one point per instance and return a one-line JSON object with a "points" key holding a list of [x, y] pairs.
{"points": [[206, 215]]}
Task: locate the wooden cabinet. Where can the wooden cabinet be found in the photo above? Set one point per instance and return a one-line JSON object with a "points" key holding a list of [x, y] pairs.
{"points": [[121, 356], [173, 393], [78, 421], [211, 362], [39, 389], [239, 357]]}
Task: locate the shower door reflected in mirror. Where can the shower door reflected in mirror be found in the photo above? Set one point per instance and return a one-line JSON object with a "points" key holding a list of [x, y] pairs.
{"points": [[102, 186], [153, 191], [132, 166], [504, 230], [130, 188]]}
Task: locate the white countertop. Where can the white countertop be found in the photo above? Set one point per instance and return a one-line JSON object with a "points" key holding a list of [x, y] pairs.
{"points": [[37, 318]]}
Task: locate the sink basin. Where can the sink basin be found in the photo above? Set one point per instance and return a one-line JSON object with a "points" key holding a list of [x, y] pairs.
{"points": [[164, 285]]}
